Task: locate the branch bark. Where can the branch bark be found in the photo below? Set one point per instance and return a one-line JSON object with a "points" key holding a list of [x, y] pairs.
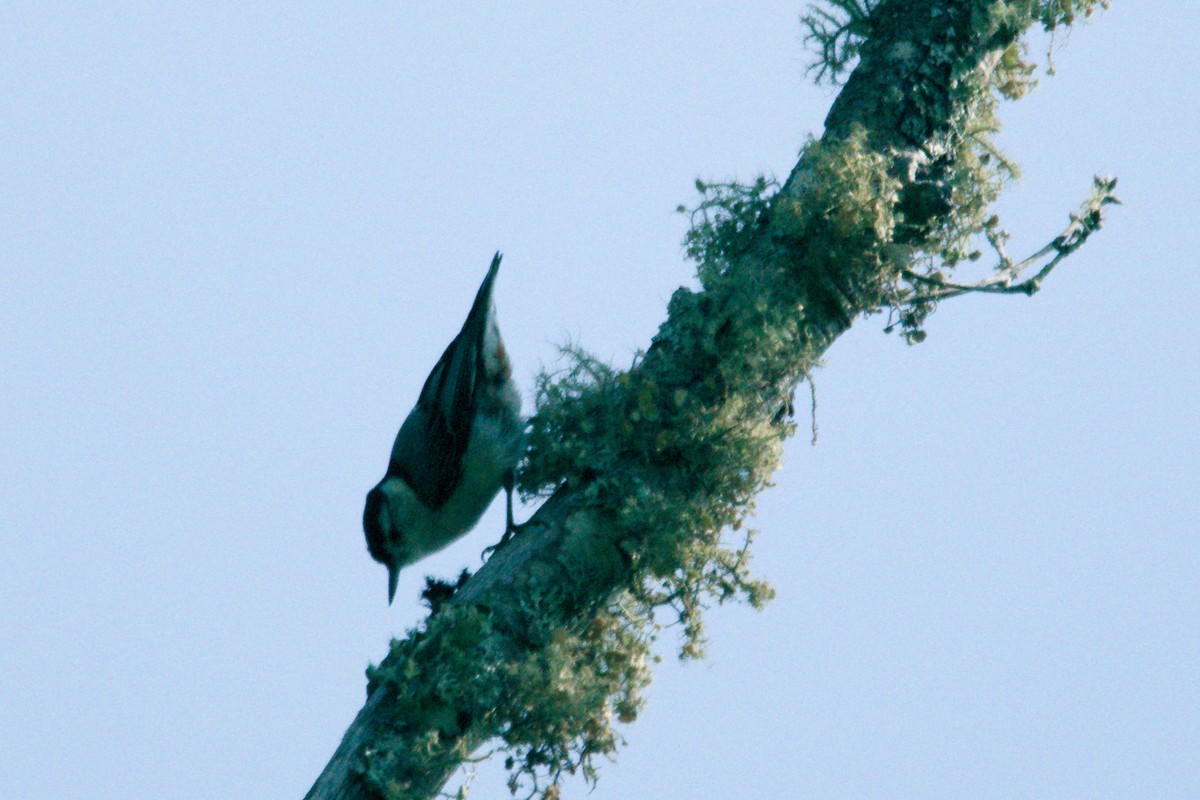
{"points": [[922, 66]]}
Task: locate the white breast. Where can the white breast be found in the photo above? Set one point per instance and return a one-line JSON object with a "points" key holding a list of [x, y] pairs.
{"points": [[492, 449]]}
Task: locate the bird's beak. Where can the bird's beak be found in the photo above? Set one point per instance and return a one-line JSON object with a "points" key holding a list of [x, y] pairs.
{"points": [[393, 574]]}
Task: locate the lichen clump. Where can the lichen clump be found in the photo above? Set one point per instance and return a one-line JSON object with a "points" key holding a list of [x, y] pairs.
{"points": [[674, 451], [552, 706]]}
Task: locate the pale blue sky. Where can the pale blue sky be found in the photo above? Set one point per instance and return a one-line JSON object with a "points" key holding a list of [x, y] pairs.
{"points": [[234, 240]]}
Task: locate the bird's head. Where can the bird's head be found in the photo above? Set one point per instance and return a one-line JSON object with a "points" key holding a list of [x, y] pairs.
{"points": [[384, 542]]}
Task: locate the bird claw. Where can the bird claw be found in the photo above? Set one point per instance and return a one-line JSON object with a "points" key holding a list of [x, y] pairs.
{"points": [[509, 532]]}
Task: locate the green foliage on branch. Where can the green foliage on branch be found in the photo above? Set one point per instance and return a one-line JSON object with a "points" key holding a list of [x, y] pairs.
{"points": [[969, 176], [673, 458], [553, 706]]}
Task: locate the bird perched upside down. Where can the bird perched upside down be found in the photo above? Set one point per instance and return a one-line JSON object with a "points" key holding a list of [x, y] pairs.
{"points": [[455, 451]]}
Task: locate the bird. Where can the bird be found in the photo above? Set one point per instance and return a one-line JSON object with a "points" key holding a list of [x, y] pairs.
{"points": [[456, 449]]}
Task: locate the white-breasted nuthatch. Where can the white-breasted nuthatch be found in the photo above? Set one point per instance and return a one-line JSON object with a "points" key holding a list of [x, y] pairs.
{"points": [[458, 447]]}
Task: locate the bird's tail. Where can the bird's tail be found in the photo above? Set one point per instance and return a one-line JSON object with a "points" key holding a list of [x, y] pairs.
{"points": [[484, 295], [483, 298]]}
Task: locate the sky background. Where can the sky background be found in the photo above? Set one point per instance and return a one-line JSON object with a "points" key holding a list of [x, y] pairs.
{"points": [[234, 238]]}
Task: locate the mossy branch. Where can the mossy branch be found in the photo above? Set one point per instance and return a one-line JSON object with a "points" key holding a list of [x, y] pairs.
{"points": [[648, 471]]}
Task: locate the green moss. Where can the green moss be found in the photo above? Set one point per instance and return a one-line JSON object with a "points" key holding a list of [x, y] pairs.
{"points": [[553, 705], [566, 696], [973, 170], [438, 693], [675, 450]]}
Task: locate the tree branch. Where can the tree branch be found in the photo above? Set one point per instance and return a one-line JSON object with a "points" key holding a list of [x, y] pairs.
{"points": [[1006, 277], [652, 465]]}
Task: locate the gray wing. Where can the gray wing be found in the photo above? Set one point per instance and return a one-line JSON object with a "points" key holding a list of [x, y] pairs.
{"points": [[429, 449]]}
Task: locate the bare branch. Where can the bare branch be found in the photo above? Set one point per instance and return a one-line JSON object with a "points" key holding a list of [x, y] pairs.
{"points": [[1008, 273]]}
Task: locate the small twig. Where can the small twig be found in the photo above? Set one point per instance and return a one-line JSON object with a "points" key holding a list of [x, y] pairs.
{"points": [[1006, 279], [812, 391], [482, 758], [468, 779], [1012, 169]]}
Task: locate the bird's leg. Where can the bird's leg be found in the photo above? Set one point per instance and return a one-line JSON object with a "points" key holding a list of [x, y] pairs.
{"points": [[510, 527]]}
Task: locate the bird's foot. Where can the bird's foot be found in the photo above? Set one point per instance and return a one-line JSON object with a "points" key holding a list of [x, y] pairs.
{"points": [[509, 532]]}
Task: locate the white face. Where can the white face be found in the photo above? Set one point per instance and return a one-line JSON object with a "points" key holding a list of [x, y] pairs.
{"points": [[393, 534], [411, 530]]}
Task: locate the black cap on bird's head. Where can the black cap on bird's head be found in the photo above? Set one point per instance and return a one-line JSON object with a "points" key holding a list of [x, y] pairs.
{"points": [[377, 537]]}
